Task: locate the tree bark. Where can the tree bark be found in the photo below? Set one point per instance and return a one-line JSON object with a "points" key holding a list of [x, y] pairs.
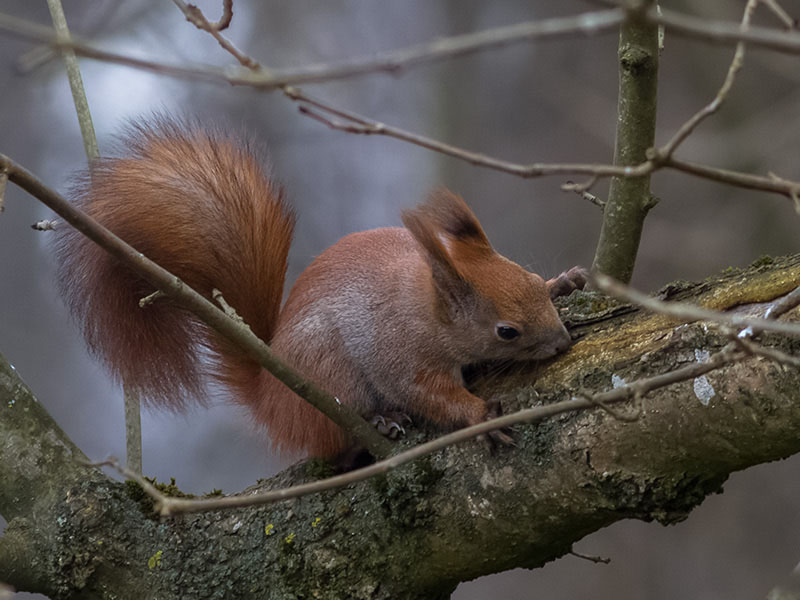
{"points": [[455, 515]]}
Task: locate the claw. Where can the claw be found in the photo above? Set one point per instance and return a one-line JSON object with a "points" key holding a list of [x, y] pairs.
{"points": [[391, 425]]}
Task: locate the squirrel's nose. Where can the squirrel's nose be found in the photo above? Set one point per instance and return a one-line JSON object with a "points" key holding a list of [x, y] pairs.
{"points": [[556, 342]]}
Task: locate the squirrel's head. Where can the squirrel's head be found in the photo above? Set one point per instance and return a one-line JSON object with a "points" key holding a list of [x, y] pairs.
{"points": [[490, 307]]}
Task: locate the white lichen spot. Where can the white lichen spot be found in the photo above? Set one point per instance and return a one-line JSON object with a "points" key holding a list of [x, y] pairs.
{"points": [[237, 526], [617, 381], [701, 356], [499, 478], [480, 508], [702, 386]]}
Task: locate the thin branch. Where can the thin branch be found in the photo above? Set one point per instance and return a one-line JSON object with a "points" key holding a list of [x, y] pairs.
{"points": [[196, 17], [171, 506], [227, 16], [17, 27], [770, 353], [229, 310], [784, 187], [27, 29], [732, 352], [784, 305], [133, 427], [595, 559], [353, 123], [395, 61], [44, 225], [132, 400], [388, 62], [689, 312], [780, 13], [150, 298], [205, 310], [721, 32], [3, 184], [736, 64], [571, 186], [75, 81]]}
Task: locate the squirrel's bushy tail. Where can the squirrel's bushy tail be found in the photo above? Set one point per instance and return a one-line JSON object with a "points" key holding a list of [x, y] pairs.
{"points": [[197, 202]]}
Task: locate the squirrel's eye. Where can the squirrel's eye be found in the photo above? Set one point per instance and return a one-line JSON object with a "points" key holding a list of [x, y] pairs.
{"points": [[506, 332]]}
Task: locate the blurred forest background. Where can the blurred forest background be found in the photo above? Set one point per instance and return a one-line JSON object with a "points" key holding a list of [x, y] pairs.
{"points": [[547, 101]]}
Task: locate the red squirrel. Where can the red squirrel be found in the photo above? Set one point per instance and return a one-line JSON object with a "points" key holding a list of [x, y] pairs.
{"points": [[384, 319]]}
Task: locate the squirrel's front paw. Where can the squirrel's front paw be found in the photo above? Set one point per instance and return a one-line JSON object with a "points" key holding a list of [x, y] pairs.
{"points": [[564, 284], [391, 425], [498, 437]]}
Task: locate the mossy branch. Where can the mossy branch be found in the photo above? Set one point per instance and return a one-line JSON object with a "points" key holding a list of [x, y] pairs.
{"points": [[419, 530]]}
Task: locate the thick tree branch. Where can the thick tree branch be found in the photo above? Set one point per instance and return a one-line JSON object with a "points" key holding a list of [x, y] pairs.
{"points": [[570, 475]]}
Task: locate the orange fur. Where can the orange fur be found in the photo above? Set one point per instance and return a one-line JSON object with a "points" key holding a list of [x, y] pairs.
{"points": [[384, 319]]}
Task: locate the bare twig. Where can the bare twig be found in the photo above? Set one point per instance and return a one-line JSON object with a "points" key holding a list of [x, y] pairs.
{"points": [[736, 64], [75, 81], [196, 17], [3, 184], [229, 310], [725, 33], [171, 506], [133, 427], [351, 122], [688, 312], [227, 16], [571, 186], [389, 62], [770, 353], [150, 298], [619, 416], [784, 305], [732, 352], [784, 17], [744, 180], [354, 123], [128, 473], [44, 225], [590, 558], [267, 79], [206, 311]]}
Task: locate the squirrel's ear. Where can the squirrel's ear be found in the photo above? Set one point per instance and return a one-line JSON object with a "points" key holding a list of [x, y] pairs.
{"points": [[450, 236], [448, 231], [453, 220]]}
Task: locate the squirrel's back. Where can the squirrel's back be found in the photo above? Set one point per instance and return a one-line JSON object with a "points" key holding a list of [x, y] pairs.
{"points": [[197, 202]]}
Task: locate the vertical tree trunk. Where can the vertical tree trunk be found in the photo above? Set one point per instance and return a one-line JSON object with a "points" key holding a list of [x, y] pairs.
{"points": [[630, 199]]}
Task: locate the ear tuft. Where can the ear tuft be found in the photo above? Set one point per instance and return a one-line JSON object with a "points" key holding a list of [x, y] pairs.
{"points": [[426, 234], [448, 213]]}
